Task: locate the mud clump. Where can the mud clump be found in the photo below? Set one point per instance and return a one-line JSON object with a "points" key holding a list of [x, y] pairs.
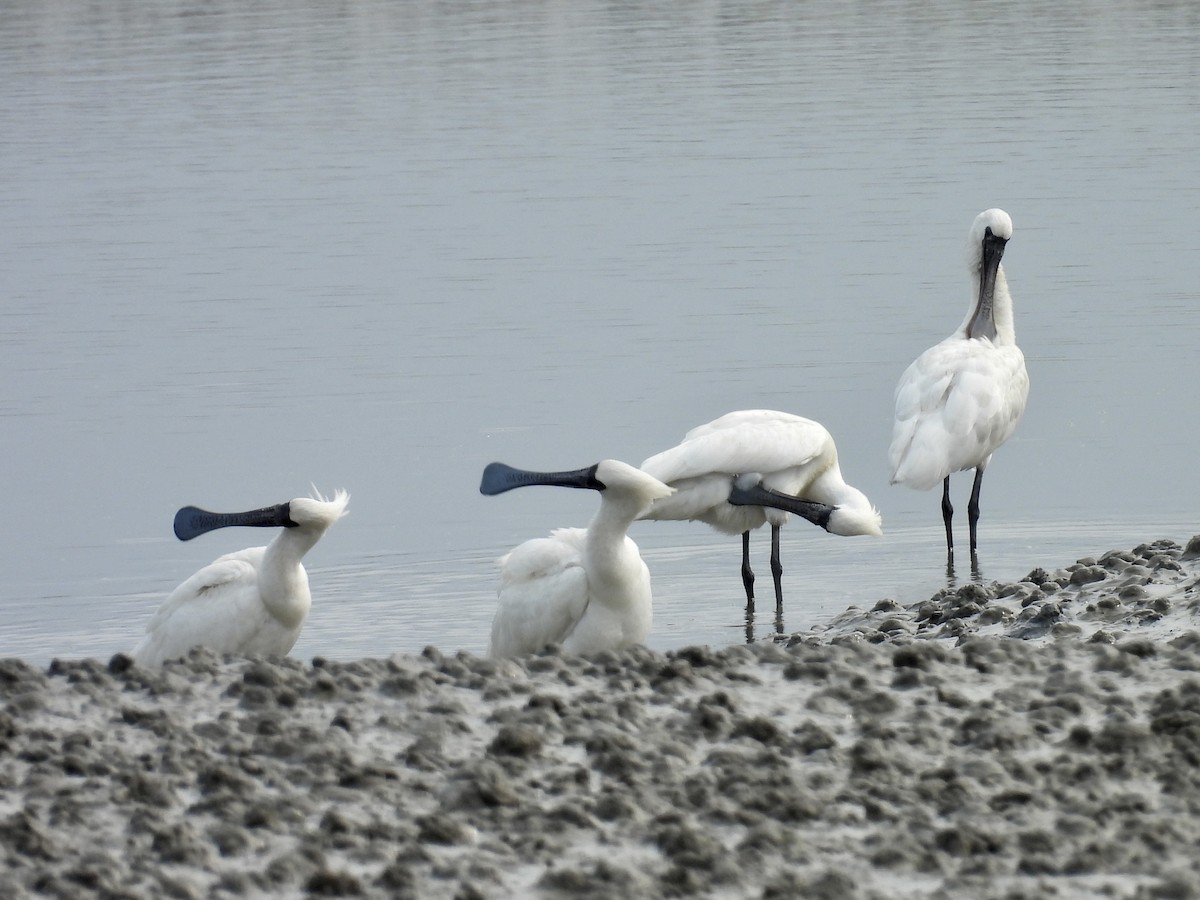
{"points": [[1040, 738]]}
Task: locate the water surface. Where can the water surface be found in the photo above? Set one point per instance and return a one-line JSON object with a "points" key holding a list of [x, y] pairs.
{"points": [[376, 246]]}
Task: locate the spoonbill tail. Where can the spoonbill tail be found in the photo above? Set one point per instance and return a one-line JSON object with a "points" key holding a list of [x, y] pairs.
{"points": [[794, 458], [586, 589], [962, 398], [251, 601]]}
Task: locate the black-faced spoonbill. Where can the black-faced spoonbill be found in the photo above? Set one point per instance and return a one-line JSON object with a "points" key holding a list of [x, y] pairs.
{"points": [[586, 589], [962, 398], [251, 601], [795, 459]]}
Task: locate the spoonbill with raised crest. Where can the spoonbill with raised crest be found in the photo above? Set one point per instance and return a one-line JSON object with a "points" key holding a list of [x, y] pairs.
{"points": [[793, 458], [250, 601], [962, 398]]}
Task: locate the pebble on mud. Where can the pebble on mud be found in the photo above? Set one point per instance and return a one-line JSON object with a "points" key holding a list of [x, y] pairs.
{"points": [[1040, 738]]}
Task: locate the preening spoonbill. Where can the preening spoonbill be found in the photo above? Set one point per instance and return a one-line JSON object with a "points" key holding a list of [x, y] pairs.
{"points": [[251, 601], [962, 398], [586, 589], [795, 458]]}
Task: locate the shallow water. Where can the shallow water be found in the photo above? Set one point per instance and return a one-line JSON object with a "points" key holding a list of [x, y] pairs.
{"points": [[246, 249]]}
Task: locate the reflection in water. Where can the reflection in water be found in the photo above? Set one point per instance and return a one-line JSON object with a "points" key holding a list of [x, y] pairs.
{"points": [[751, 636], [976, 572]]}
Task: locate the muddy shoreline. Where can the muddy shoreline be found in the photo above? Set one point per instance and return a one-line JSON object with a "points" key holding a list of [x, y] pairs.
{"points": [[1033, 739]]}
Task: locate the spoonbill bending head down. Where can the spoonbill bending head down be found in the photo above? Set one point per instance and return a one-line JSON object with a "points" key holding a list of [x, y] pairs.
{"points": [[251, 601], [793, 458], [587, 589], [962, 398]]}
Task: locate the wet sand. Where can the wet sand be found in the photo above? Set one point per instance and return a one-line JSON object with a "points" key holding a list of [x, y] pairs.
{"points": [[1034, 739]]}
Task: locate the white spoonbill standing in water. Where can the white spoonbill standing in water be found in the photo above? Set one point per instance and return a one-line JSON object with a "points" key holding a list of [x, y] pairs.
{"points": [[962, 398], [795, 462], [586, 589], [251, 601]]}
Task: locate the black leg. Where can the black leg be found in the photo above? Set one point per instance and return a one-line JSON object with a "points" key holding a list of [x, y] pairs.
{"points": [[747, 572], [973, 507], [776, 567], [947, 514]]}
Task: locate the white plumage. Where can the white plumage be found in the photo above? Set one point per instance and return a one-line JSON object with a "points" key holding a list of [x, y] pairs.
{"points": [[253, 601], [962, 398], [586, 589], [793, 455]]}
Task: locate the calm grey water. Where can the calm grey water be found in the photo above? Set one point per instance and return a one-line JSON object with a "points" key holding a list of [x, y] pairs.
{"points": [[250, 247]]}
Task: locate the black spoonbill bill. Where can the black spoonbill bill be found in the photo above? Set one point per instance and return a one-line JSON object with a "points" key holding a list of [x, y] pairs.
{"points": [[795, 459], [586, 589], [962, 398], [251, 601]]}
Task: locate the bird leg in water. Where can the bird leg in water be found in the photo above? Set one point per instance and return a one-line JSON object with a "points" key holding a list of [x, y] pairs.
{"points": [[973, 506], [776, 568], [747, 572], [947, 515]]}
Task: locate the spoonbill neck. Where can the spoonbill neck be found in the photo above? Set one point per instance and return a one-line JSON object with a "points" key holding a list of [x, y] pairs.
{"points": [[612, 559], [282, 581]]}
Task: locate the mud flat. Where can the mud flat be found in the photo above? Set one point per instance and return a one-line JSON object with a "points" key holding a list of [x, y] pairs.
{"points": [[1035, 739]]}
